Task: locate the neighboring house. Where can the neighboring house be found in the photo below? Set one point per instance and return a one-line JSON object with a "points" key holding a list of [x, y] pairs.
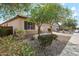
{"points": [[20, 23]]}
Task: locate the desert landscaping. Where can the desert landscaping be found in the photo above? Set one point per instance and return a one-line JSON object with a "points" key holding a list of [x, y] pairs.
{"points": [[36, 29]]}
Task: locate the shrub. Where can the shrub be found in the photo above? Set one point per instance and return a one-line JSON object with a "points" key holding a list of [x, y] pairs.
{"points": [[4, 31], [20, 34], [19, 31], [46, 40], [10, 46]]}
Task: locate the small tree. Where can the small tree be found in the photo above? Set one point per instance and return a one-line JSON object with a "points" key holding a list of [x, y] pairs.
{"points": [[38, 16]]}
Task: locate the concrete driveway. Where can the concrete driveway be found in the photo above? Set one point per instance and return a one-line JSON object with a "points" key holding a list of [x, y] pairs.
{"points": [[72, 47]]}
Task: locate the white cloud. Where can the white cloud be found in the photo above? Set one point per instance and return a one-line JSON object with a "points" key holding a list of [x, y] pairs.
{"points": [[75, 14], [73, 8]]}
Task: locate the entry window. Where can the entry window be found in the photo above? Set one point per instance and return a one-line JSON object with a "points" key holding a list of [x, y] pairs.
{"points": [[29, 25]]}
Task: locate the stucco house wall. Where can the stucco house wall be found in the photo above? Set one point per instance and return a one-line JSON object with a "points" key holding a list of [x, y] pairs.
{"points": [[45, 27], [18, 24]]}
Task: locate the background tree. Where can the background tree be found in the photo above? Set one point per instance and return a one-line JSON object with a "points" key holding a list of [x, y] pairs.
{"points": [[69, 24], [63, 14], [8, 10]]}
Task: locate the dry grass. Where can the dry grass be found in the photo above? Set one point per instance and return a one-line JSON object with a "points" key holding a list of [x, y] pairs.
{"points": [[11, 46]]}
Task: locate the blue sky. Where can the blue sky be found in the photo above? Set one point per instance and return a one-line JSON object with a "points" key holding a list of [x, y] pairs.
{"points": [[73, 6]]}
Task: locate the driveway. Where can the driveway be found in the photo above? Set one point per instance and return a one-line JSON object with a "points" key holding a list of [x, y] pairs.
{"points": [[72, 47]]}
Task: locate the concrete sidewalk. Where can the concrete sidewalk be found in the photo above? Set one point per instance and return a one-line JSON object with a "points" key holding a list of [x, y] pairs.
{"points": [[72, 47], [63, 34]]}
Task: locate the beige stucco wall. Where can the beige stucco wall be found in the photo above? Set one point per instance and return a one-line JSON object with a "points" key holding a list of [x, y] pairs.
{"points": [[18, 24], [44, 27]]}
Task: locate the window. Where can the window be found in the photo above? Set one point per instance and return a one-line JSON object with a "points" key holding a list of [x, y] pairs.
{"points": [[29, 25]]}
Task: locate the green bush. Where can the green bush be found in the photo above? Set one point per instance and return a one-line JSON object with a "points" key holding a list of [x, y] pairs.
{"points": [[20, 34], [46, 40], [4, 31], [9, 46], [20, 31]]}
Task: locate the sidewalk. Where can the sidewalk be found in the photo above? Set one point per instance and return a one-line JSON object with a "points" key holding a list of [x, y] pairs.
{"points": [[72, 47], [62, 34], [56, 34]]}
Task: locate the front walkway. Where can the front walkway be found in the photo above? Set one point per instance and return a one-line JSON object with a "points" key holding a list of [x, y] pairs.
{"points": [[72, 47]]}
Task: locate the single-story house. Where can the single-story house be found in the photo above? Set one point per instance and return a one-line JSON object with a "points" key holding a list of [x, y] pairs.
{"points": [[20, 23]]}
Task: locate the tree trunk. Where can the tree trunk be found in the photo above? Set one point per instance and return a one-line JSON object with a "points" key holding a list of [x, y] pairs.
{"points": [[51, 28], [39, 31]]}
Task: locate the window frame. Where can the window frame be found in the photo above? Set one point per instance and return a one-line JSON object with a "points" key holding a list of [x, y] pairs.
{"points": [[29, 25]]}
